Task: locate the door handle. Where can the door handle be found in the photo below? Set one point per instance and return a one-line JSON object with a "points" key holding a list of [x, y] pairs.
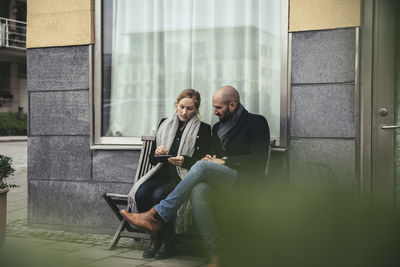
{"points": [[390, 126]]}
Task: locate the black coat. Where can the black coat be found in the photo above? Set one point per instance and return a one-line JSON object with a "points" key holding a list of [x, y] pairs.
{"points": [[202, 146], [247, 145]]}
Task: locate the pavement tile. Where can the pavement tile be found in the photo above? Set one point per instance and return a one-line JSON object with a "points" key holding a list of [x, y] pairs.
{"points": [[178, 261], [16, 205], [117, 261], [75, 262], [27, 242], [15, 215], [132, 254], [12, 196], [17, 201], [69, 246], [95, 253]]}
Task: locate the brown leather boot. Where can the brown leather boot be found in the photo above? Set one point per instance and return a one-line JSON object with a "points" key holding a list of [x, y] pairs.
{"points": [[145, 220], [214, 262]]}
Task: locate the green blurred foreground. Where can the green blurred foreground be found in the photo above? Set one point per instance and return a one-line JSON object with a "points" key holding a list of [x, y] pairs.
{"points": [[263, 228], [303, 229]]}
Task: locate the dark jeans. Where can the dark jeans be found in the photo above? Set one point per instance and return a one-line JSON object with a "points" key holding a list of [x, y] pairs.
{"points": [[152, 192]]}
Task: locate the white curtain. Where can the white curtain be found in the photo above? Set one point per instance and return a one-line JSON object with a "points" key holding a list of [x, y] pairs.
{"points": [[161, 47]]}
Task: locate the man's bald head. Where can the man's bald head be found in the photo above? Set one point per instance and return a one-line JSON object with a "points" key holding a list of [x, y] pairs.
{"points": [[227, 94], [225, 101]]}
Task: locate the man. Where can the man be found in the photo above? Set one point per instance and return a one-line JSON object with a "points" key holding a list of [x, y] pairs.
{"points": [[240, 147]]}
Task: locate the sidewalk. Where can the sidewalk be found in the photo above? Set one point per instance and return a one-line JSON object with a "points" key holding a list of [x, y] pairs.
{"points": [[24, 246]]}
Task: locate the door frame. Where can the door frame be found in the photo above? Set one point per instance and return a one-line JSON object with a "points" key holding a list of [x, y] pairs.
{"points": [[375, 164]]}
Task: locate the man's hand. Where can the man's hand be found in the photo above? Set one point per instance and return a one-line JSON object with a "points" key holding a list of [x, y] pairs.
{"points": [[160, 150], [214, 159], [207, 157], [177, 161]]}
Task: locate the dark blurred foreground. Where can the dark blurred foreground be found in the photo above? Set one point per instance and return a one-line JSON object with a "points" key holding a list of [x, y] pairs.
{"points": [[288, 228]]}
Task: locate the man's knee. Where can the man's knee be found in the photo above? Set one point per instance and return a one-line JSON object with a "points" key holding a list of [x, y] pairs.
{"points": [[200, 167]]}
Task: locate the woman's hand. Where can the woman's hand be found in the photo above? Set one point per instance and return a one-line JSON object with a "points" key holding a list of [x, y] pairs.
{"points": [[177, 161], [160, 150]]}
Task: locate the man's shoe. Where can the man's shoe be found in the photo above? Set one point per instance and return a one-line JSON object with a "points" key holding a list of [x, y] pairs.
{"points": [[166, 251], [145, 220], [214, 262], [152, 249]]}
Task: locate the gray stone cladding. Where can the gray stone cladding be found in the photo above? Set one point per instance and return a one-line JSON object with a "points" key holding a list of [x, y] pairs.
{"points": [[66, 179], [322, 120]]}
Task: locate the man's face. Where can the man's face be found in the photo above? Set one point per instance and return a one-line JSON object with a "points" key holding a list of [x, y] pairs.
{"points": [[221, 108]]}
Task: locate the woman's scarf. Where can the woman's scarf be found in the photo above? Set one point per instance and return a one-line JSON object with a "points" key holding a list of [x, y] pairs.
{"points": [[165, 137]]}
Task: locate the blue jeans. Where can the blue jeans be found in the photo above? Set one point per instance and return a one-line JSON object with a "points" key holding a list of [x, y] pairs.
{"points": [[216, 175], [204, 218]]}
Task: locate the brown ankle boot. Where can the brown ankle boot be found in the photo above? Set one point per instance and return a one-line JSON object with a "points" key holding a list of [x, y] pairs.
{"points": [[214, 262], [145, 220]]}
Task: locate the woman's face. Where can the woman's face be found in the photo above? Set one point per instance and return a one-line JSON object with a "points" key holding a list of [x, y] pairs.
{"points": [[186, 109]]}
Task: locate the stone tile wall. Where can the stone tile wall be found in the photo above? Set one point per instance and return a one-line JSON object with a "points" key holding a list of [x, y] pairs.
{"points": [[322, 121], [67, 179]]}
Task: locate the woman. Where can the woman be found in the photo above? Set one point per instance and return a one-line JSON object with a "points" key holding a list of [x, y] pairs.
{"points": [[186, 139]]}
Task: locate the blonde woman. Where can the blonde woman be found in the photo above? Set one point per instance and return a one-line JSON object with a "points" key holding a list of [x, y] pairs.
{"points": [[181, 140]]}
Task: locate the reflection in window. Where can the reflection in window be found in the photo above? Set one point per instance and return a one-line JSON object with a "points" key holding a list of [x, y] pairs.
{"points": [[153, 49]]}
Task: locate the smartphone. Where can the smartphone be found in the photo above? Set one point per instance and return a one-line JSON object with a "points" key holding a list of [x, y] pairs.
{"points": [[162, 156]]}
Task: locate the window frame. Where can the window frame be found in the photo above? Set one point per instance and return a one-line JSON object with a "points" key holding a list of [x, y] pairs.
{"points": [[134, 143]]}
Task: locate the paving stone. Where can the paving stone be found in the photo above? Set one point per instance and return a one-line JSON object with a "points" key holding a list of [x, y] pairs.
{"points": [[72, 262], [178, 261], [117, 261], [26, 241], [132, 254], [16, 214], [94, 253], [68, 246]]}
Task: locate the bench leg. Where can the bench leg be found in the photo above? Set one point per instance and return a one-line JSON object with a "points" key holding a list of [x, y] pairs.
{"points": [[116, 237]]}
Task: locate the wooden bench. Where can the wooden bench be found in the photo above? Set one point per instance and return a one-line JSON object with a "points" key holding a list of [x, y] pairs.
{"points": [[120, 201]]}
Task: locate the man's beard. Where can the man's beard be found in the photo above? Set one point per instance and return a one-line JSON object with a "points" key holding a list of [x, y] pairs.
{"points": [[226, 117]]}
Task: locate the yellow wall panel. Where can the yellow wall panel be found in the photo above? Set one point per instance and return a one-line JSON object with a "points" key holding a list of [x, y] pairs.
{"points": [[324, 14], [59, 23], [58, 6]]}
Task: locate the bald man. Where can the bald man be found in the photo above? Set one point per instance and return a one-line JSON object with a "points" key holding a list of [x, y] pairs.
{"points": [[240, 147]]}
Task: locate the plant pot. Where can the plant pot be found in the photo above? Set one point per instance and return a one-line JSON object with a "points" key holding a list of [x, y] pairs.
{"points": [[3, 213]]}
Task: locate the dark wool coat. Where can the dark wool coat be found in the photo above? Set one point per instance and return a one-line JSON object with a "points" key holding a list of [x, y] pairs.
{"points": [[247, 145]]}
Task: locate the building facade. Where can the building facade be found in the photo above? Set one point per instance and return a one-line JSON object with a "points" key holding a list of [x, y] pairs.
{"points": [[333, 98]]}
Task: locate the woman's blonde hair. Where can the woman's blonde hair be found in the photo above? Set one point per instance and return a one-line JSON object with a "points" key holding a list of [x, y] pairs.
{"points": [[190, 93]]}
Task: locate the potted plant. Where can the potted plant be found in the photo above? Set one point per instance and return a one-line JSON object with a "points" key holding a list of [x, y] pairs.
{"points": [[6, 170]]}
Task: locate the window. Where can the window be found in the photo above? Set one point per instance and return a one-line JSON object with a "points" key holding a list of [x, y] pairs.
{"points": [[147, 51]]}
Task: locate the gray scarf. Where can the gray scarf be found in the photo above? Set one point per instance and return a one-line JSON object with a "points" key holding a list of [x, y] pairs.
{"points": [[225, 127], [165, 136]]}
